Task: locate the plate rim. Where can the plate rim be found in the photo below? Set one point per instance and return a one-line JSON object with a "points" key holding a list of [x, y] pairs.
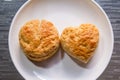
{"points": [[112, 37], [96, 4]]}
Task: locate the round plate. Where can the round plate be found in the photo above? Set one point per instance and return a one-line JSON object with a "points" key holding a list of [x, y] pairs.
{"points": [[62, 13]]}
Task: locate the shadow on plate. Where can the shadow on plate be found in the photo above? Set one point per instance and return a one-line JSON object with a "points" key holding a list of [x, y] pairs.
{"points": [[81, 64], [56, 58]]}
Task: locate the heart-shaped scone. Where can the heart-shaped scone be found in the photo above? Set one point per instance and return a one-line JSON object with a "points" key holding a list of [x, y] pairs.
{"points": [[39, 39], [80, 42]]}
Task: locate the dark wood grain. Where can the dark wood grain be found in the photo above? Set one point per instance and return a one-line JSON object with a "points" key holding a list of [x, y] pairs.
{"points": [[8, 8]]}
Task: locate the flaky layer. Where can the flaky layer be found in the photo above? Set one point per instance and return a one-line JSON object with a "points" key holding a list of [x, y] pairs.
{"points": [[80, 42], [39, 39]]}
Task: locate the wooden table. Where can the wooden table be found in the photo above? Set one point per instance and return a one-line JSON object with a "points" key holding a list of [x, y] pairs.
{"points": [[8, 8]]}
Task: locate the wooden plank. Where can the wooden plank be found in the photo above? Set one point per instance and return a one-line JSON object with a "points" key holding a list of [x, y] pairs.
{"points": [[8, 8]]}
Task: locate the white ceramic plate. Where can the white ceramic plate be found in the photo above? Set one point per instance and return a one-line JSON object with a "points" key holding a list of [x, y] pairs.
{"points": [[62, 13]]}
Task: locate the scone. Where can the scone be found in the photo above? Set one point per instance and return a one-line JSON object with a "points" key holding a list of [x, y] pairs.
{"points": [[39, 39], [80, 42]]}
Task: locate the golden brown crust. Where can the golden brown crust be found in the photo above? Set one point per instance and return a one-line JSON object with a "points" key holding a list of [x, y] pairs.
{"points": [[39, 39], [80, 42]]}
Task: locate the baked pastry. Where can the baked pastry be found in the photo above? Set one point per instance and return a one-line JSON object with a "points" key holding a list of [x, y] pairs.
{"points": [[39, 39], [80, 42]]}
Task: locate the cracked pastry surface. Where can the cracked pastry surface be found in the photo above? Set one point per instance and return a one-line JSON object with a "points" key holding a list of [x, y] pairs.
{"points": [[80, 42], [39, 39]]}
